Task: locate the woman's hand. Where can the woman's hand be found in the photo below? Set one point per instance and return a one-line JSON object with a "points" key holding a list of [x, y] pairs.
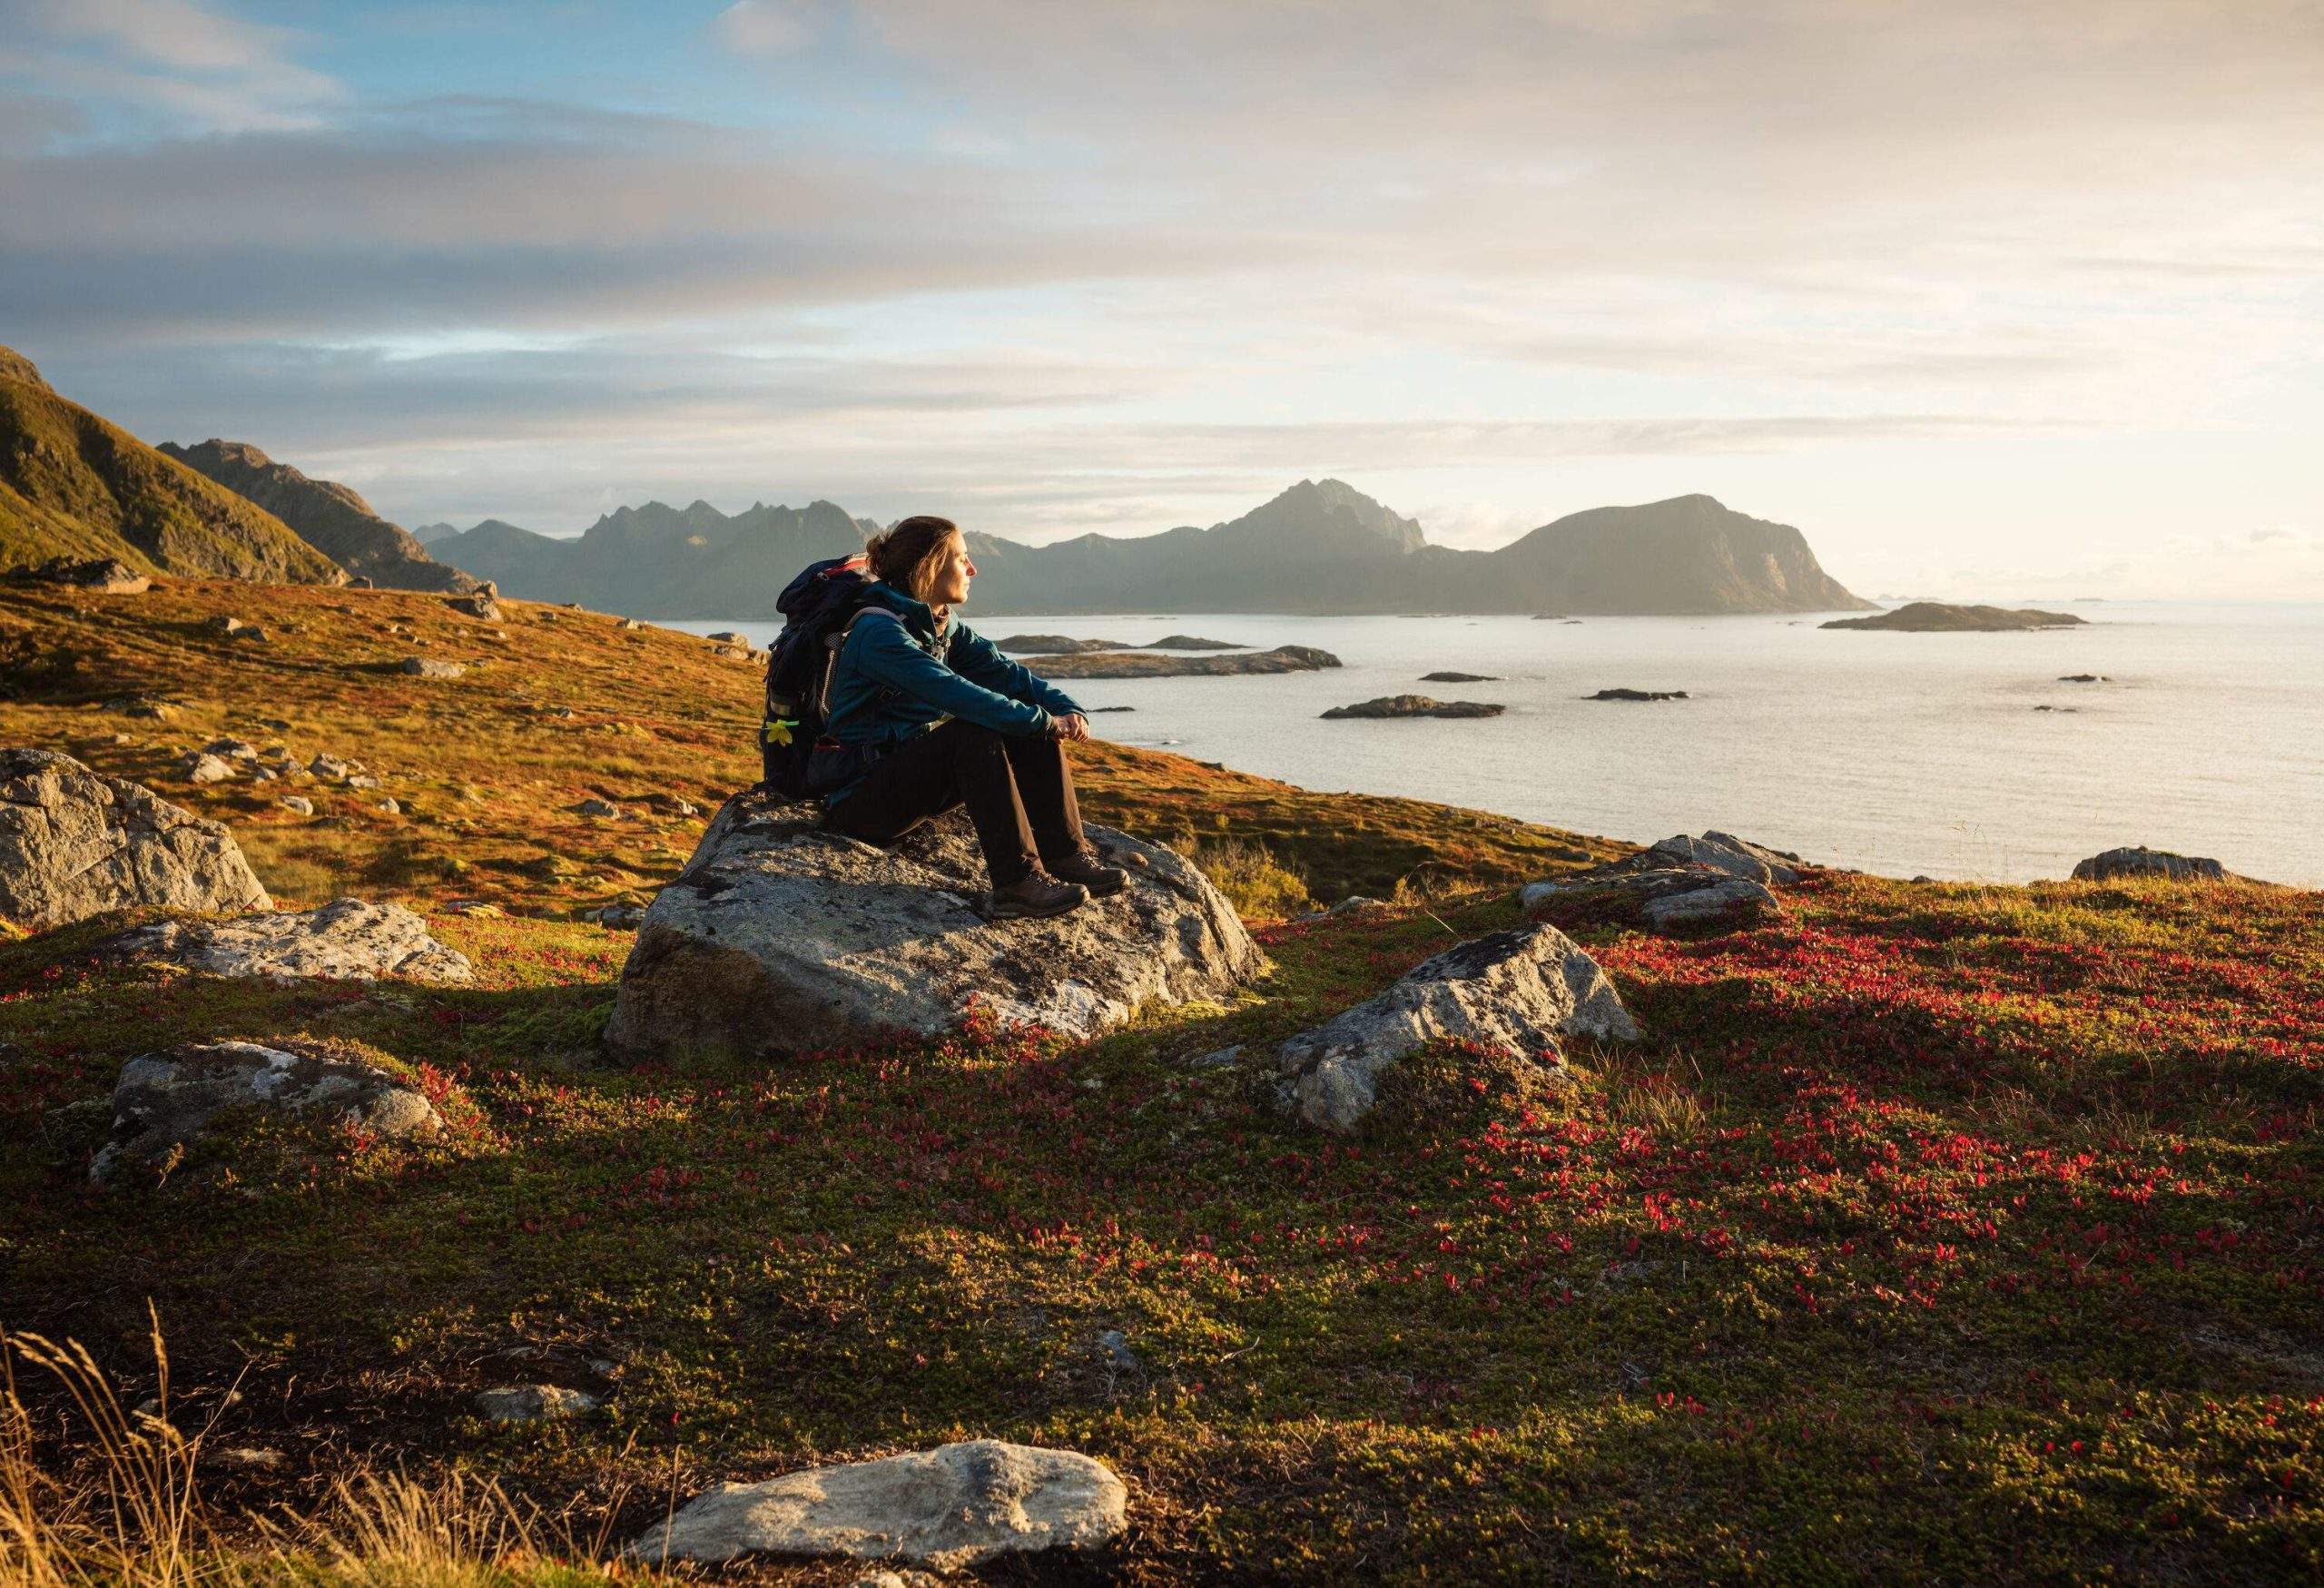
{"points": [[1072, 725]]}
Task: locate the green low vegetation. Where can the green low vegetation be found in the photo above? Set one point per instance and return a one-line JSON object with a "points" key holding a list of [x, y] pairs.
{"points": [[1933, 1233]]}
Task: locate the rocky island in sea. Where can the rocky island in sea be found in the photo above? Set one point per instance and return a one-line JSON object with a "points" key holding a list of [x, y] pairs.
{"points": [[1944, 618]]}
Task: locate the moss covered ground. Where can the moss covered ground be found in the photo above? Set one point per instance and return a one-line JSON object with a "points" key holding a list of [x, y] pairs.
{"points": [[1935, 1232]]}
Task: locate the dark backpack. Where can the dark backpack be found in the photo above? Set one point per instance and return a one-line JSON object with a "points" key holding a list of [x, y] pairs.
{"points": [[818, 608]]}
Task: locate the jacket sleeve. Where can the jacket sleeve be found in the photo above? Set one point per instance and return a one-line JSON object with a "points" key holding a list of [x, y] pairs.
{"points": [[979, 661], [879, 645]]}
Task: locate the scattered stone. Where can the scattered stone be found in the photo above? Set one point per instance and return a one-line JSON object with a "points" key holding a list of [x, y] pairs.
{"points": [[952, 1508], [199, 768], [347, 940], [298, 804], [1397, 705], [561, 712], [779, 935], [597, 807], [1518, 991], [617, 917], [102, 575], [1459, 678], [231, 749], [75, 845], [278, 724], [476, 907], [727, 637], [1638, 695], [390, 807], [142, 706], [168, 1099], [2142, 861], [535, 1403], [476, 606], [231, 627], [629, 623], [1732, 903], [884, 1578], [429, 667], [333, 768], [732, 652], [2081, 679]]}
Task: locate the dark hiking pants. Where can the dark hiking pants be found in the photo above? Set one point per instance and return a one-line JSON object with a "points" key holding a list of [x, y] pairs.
{"points": [[1018, 792]]}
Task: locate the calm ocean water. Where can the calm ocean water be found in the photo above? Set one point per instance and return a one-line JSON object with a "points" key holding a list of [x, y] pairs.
{"points": [[1899, 754]]}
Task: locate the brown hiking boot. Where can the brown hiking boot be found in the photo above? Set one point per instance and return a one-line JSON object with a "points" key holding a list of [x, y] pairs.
{"points": [[1083, 866], [1036, 894]]}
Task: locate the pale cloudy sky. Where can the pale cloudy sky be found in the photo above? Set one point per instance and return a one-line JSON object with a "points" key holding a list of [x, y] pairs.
{"points": [[1990, 299]]}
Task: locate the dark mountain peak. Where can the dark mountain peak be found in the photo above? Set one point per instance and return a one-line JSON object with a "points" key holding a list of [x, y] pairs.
{"points": [[333, 519], [1327, 515], [14, 366]]}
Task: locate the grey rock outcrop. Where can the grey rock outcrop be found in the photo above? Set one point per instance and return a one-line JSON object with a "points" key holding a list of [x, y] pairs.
{"points": [[535, 1403], [2142, 861], [1396, 705], [429, 667], [168, 1099], [952, 1508], [347, 940], [1714, 879], [75, 845], [99, 575], [1736, 856], [778, 935], [1518, 991], [477, 606]]}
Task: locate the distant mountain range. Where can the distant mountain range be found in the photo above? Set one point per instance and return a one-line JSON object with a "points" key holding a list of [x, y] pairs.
{"points": [[1321, 547], [328, 516], [72, 484], [75, 484]]}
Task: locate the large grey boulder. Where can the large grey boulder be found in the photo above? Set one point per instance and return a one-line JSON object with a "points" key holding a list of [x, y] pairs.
{"points": [[75, 845], [2142, 861], [1736, 856], [778, 936], [1712, 880], [1520, 991], [168, 1099], [952, 1508], [347, 940]]}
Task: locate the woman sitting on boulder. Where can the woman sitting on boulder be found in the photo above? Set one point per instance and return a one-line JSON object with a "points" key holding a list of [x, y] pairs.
{"points": [[925, 715]]}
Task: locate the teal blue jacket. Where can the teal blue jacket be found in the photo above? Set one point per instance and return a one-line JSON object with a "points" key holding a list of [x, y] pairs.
{"points": [[899, 674]]}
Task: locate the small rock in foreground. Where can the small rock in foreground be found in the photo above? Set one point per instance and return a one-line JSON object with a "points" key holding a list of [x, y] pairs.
{"points": [[535, 1403], [1713, 878], [168, 1099], [1518, 991], [952, 1508], [347, 940], [2142, 861]]}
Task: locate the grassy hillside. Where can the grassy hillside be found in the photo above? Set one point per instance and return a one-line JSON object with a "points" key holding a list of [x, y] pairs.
{"points": [[1935, 1233], [72, 484]]}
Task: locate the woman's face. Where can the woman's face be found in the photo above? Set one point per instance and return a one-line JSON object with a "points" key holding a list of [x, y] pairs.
{"points": [[948, 583]]}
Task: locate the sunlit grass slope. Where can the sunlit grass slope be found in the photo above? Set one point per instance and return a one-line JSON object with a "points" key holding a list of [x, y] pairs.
{"points": [[1935, 1233]]}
